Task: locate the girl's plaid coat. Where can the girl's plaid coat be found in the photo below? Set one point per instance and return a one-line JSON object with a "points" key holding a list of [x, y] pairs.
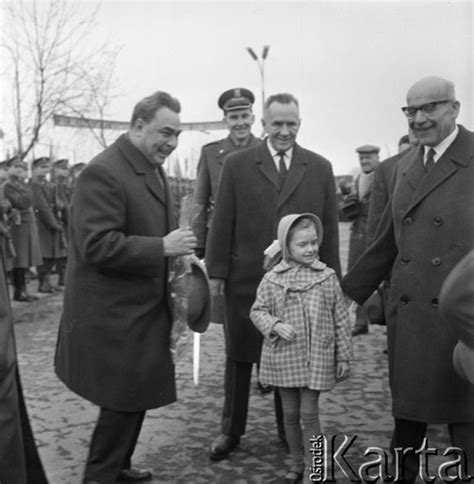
{"points": [[310, 299]]}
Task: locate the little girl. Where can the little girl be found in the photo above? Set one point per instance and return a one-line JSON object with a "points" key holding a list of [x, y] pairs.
{"points": [[301, 312]]}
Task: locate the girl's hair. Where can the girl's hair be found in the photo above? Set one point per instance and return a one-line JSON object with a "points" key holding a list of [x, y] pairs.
{"points": [[300, 224]]}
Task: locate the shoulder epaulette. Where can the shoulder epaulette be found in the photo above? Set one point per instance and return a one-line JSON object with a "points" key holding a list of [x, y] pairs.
{"points": [[211, 143]]}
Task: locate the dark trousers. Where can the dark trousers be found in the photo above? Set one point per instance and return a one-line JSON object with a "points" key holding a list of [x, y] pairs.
{"points": [[409, 433], [19, 281], [61, 263], [112, 445], [236, 400], [44, 273]]}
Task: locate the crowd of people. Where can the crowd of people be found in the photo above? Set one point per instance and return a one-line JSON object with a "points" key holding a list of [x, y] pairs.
{"points": [[266, 223], [34, 221]]}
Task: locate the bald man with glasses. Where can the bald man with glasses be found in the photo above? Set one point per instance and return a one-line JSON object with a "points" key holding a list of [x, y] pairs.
{"points": [[426, 229]]}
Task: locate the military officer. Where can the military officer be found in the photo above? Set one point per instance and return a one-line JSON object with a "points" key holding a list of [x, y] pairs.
{"points": [[62, 192], [238, 116], [75, 171], [24, 231], [369, 160], [50, 227]]}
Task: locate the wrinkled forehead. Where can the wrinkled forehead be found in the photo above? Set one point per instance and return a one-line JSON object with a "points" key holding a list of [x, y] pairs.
{"points": [[429, 91]]}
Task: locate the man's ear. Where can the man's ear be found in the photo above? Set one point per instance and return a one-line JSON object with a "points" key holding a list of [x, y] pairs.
{"points": [[138, 126]]}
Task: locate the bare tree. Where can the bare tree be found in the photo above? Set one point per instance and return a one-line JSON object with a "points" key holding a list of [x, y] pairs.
{"points": [[61, 69]]}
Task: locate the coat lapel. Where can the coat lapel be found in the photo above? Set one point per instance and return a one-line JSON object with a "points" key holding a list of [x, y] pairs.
{"points": [[459, 153], [415, 172], [294, 176], [142, 166], [266, 164]]}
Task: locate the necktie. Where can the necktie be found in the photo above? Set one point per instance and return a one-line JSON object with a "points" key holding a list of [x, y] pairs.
{"points": [[429, 163], [282, 170]]}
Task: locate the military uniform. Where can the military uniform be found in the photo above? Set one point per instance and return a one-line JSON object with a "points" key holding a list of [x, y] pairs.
{"points": [[212, 159], [6, 213], [50, 228], [209, 169], [24, 233], [62, 198]]}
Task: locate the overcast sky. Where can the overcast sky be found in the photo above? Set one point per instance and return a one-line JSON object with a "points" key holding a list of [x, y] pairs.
{"points": [[349, 63]]}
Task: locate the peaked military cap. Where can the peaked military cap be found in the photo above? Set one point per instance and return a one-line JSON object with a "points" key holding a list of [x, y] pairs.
{"points": [[14, 160], [368, 149], [62, 163], [78, 166], [237, 98], [43, 160]]}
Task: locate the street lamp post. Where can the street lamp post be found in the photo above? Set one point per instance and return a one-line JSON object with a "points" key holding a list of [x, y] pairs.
{"points": [[261, 65]]}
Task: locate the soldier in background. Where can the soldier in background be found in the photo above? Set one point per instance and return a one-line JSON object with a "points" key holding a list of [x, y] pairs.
{"points": [[238, 116], [75, 171], [24, 231], [62, 188], [6, 214], [50, 228], [369, 160]]}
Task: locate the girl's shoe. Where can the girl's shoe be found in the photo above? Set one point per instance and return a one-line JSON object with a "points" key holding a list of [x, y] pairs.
{"points": [[294, 476]]}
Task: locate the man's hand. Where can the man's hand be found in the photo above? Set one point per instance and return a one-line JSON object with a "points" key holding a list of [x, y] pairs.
{"points": [[342, 371], [217, 287], [285, 331], [179, 242]]}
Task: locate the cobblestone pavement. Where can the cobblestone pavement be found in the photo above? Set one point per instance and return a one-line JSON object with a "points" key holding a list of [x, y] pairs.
{"points": [[174, 439]]}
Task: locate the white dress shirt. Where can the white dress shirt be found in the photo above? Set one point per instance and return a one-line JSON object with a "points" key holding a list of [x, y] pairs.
{"points": [[441, 147], [276, 156]]}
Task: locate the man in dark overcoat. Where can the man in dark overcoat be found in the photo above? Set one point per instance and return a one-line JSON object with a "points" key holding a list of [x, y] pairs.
{"points": [[427, 227], [19, 459], [238, 116], [114, 337], [50, 227], [380, 194], [23, 228], [258, 187], [368, 160]]}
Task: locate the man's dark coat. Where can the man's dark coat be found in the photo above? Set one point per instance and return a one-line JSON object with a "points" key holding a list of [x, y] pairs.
{"points": [[248, 208], [380, 193], [427, 227], [114, 336], [19, 459]]}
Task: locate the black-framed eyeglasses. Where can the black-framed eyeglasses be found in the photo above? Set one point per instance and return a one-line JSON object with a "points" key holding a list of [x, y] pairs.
{"points": [[427, 109]]}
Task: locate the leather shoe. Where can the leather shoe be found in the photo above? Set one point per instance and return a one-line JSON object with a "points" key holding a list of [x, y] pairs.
{"points": [[223, 446], [22, 297], [360, 330], [134, 474], [293, 476]]}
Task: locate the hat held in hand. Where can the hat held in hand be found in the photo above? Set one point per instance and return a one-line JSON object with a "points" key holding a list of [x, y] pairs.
{"points": [[199, 297]]}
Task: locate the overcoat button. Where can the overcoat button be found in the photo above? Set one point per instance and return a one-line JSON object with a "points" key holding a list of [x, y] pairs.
{"points": [[436, 261], [438, 220], [435, 302], [407, 221], [404, 300], [404, 261]]}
